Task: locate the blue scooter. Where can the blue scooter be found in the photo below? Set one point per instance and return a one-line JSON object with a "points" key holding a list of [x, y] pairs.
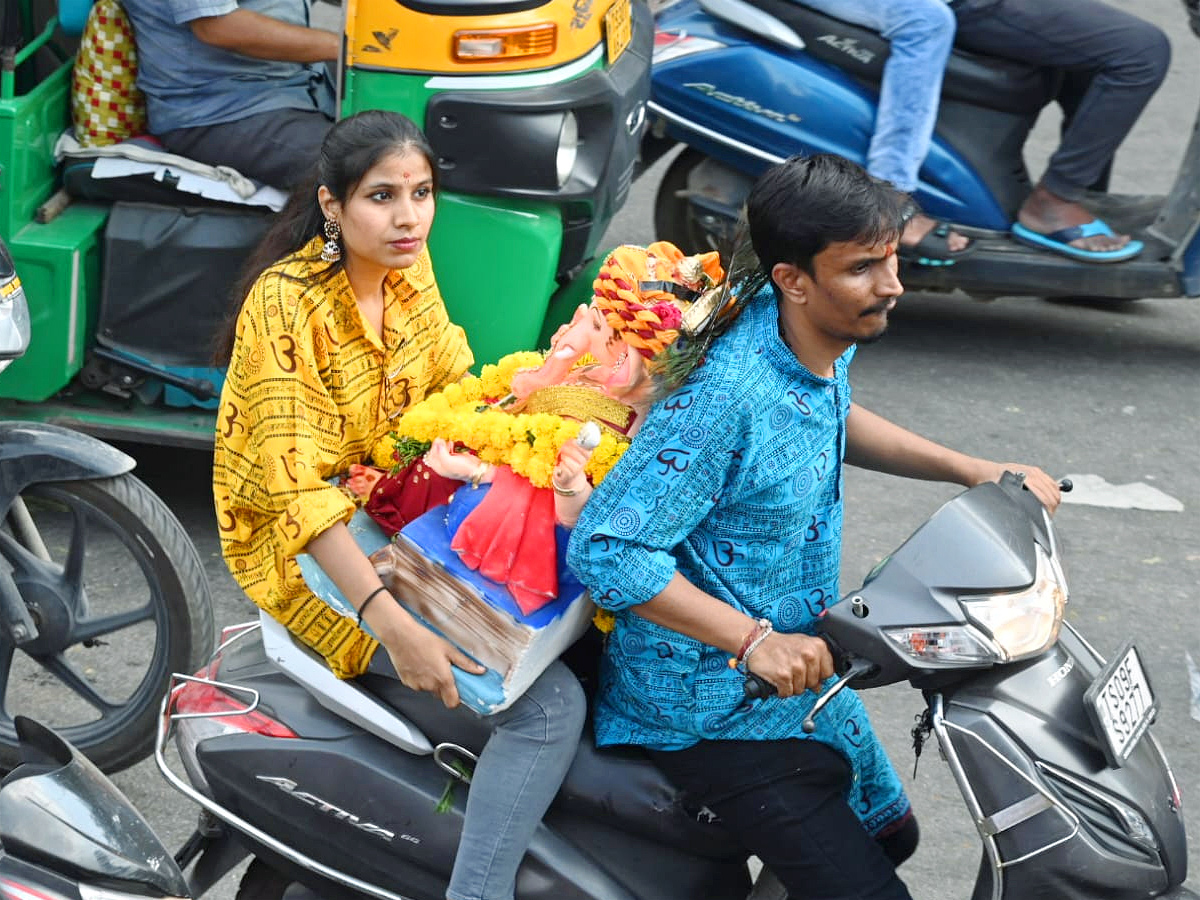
{"points": [[747, 83]]}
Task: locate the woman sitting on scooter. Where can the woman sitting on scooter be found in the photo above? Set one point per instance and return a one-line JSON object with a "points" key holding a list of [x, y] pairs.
{"points": [[342, 327]]}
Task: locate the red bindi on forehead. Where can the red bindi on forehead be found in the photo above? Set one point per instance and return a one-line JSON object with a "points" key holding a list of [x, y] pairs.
{"points": [[889, 248]]}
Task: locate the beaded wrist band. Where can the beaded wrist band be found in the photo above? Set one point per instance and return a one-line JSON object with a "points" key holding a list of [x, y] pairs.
{"points": [[756, 636]]}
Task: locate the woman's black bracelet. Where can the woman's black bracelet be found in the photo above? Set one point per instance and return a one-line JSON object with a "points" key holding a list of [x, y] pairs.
{"points": [[371, 596]]}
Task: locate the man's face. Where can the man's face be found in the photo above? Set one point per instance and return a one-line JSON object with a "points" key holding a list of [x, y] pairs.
{"points": [[851, 289]]}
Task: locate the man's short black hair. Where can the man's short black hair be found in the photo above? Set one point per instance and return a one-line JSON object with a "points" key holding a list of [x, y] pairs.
{"points": [[804, 204]]}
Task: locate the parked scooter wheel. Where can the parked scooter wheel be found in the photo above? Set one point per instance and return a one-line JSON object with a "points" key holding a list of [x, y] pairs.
{"points": [[120, 600], [261, 882], [676, 218]]}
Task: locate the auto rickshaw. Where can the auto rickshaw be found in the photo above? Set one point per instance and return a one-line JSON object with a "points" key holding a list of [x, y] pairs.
{"points": [[534, 110]]}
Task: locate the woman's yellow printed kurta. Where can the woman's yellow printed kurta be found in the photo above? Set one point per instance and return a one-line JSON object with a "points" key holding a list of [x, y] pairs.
{"points": [[310, 389]]}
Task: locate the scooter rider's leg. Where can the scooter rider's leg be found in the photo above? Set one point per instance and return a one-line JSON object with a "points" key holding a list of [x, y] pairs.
{"points": [[518, 773], [921, 34], [1128, 57], [786, 802], [278, 148]]}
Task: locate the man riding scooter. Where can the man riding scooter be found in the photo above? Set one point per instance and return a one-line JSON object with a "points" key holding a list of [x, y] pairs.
{"points": [[1120, 59], [267, 100]]}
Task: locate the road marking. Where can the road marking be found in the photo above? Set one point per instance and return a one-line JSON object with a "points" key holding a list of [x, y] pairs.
{"points": [[1093, 490]]}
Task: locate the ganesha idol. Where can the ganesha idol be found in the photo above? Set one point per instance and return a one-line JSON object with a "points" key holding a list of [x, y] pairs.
{"points": [[487, 475]]}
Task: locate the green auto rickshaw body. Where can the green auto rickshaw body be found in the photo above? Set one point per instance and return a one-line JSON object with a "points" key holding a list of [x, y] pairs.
{"points": [[534, 155]]}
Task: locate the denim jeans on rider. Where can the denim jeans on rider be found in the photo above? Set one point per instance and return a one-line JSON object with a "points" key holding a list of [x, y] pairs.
{"points": [[1125, 57], [520, 769], [921, 33]]}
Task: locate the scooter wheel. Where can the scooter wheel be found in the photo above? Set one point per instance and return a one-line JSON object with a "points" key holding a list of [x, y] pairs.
{"points": [[677, 220], [120, 601], [261, 882]]}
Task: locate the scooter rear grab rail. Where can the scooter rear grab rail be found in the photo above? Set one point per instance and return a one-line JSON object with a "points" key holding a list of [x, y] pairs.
{"points": [[165, 719]]}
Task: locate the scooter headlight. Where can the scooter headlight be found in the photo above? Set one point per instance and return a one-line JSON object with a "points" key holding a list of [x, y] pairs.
{"points": [[1004, 627], [568, 148], [14, 321], [1024, 623]]}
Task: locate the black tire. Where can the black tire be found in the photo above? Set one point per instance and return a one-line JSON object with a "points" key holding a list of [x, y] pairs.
{"points": [[675, 219], [261, 882], [122, 570]]}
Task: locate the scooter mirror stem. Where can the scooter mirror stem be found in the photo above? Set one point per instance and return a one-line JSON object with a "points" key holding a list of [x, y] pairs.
{"points": [[857, 667]]}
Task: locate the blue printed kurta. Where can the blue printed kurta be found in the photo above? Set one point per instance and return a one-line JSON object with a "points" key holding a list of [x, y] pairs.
{"points": [[734, 481]]}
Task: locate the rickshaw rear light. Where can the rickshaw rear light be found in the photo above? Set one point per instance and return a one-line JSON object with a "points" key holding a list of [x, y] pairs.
{"points": [[487, 45]]}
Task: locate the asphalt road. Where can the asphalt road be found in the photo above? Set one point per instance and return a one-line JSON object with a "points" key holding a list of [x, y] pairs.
{"points": [[1110, 391]]}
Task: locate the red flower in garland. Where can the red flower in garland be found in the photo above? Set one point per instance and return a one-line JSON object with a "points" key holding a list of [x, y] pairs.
{"points": [[668, 313]]}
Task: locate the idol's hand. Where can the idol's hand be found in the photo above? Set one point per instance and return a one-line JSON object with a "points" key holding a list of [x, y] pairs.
{"points": [[461, 466], [363, 479]]}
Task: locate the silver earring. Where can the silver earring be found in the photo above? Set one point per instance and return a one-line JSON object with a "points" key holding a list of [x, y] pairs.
{"points": [[331, 252]]}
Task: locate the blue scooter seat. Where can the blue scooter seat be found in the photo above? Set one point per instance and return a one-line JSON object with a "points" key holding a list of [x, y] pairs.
{"points": [[998, 84]]}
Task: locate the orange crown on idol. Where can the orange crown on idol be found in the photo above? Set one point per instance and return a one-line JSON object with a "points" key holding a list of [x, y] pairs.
{"points": [[649, 293]]}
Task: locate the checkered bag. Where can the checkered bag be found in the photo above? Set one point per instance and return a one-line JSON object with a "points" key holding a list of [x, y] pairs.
{"points": [[106, 105]]}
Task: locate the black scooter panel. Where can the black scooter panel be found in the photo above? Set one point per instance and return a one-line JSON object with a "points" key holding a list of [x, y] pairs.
{"points": [[354, 803], [617, 785]]}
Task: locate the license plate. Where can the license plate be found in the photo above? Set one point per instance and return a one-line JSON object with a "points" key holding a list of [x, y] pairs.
{"points": [[1121, 705], [618, 29]]}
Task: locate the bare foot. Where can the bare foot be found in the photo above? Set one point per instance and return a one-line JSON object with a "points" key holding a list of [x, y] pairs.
{"points": [[1047, 213], [920, 225]]}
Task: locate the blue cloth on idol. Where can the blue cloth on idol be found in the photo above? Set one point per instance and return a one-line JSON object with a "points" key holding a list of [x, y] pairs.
{"points": [[734, 481]]}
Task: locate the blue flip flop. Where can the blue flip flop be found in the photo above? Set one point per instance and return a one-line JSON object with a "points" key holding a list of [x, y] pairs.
{"points": [[1060, 242]]}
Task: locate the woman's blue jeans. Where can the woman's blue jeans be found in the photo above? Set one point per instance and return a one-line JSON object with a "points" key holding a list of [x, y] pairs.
{"points": [[518, 773], [921, 33]]}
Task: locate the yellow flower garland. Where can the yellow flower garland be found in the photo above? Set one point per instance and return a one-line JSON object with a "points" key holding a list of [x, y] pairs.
{"points": [[464, 413]]}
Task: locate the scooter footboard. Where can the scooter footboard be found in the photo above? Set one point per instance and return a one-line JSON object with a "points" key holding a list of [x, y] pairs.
{"points": [[1054, 817]]}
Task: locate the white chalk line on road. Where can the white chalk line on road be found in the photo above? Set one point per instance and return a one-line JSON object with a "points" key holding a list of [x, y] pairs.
{"points": [[1094, 490]]}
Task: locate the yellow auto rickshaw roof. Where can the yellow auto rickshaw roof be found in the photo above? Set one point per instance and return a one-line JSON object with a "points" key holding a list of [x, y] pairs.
{"points": [[386, 34]]}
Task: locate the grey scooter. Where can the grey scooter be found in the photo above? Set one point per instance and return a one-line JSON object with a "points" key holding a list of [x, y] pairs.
{"points": [[340, 789]]}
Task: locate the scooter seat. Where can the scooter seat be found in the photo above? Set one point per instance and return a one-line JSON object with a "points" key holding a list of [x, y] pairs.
{"points": [[992, 83], [617, 786]]}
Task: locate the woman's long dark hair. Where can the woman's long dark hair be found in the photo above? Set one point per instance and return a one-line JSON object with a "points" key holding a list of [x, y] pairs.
{"points": [[352, 147]]}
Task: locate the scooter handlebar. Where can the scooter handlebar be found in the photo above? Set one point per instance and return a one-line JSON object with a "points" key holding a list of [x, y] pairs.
{"points": [[758, 688]]}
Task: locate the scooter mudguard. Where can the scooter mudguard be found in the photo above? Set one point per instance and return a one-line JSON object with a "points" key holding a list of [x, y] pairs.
{"points": [[33, 452], [58, 809], [1040, 786]]}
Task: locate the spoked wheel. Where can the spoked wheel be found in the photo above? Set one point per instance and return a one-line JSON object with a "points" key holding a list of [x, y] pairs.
{"points": [[120, 600]]}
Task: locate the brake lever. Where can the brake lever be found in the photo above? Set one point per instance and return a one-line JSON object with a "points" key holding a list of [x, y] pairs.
{"points": [[848, 668]]}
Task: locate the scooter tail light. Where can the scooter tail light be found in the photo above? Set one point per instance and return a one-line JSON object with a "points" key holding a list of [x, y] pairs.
{"points": [[204, 701]]}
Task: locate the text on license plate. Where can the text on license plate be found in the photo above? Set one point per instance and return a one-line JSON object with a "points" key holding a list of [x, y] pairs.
{"points": [[1121, 704], [618, 29]]}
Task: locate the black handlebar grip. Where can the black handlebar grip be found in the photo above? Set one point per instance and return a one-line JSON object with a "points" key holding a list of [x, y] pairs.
{"points": [[757, 687]]}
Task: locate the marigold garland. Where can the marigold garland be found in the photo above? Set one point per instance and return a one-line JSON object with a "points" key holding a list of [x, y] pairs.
{"points": [[466, 413]]}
